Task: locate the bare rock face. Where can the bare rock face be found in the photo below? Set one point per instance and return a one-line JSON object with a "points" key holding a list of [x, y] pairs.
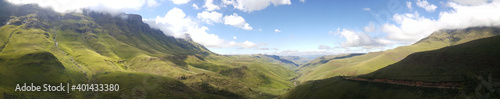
{"points": [[187, 37], [134, 18]]}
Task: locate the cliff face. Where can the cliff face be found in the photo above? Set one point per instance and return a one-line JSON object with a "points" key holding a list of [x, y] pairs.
{"points": [[134, 18]]}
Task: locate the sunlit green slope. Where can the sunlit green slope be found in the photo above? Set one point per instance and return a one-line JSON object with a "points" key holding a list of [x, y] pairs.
{"points": [[453, 63], [473, 64], [39, 46], [370, 62]]}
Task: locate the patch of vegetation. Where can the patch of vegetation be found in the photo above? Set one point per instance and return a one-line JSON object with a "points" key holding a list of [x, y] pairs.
{"points": [[336, 87]]}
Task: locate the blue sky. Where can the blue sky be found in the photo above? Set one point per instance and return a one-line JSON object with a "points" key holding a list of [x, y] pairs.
{"points": [[300, 27]]}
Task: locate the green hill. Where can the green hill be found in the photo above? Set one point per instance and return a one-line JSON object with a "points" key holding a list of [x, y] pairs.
{"points": [[38, 45], [452, 63], [370, 62], [474, 64]]}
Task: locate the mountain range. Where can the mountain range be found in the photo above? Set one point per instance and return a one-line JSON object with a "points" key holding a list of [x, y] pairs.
{"points": [[41, 46]]}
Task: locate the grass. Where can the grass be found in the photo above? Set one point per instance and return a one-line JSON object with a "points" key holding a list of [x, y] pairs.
{"points": [[38, 68], [373, 61], [337, 88], [453, 63], [99, 48], [474, 64], [142, 85]]}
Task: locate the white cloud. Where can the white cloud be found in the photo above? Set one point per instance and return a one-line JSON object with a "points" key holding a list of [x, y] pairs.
{"points": [[471, 2], [428, 7], [408, 4], [209, 4], [248, 45], [176, 23], [254, 5], [179, 2], [303, 1], [195, 6], [234, 37], [370, 28], [410, 28], [366, 9], [152, 3], [244, 45], [236, 21], [276, 30], [324, 47], [210, 17], [100, 5], [357, 39]]}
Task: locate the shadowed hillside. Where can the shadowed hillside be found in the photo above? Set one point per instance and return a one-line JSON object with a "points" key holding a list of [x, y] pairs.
{"points": [[372, 61], [474, 66]]}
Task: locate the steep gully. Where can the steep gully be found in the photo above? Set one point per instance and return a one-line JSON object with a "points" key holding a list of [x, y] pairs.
{"points": [[64, 53]]}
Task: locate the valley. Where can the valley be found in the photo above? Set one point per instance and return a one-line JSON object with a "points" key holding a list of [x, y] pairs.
{"points": [[40, 45]]}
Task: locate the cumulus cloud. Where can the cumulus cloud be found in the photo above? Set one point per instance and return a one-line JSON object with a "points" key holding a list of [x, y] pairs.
{"points": [[254, 5], [303, 1], [370, 28], [237, 21], [210, 6], [176, 23], [234, 37], [248, 45], [152, 3], [426, 5], [408, 4], [195, 6], [357, 39], [411, 27], [276, 30], [99, 5], [179, 2], [210, 17]]}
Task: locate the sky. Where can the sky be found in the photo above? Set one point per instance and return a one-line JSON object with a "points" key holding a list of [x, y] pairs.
{"points": [[297, 27]]}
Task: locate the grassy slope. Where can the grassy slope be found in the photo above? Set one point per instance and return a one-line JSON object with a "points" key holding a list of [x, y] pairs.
{"points": [[453, 63], [279, 60], [334, 60], [95, 48], [462, 63], [255, 75], [300, 60], [373, 61], [337, 88]]}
